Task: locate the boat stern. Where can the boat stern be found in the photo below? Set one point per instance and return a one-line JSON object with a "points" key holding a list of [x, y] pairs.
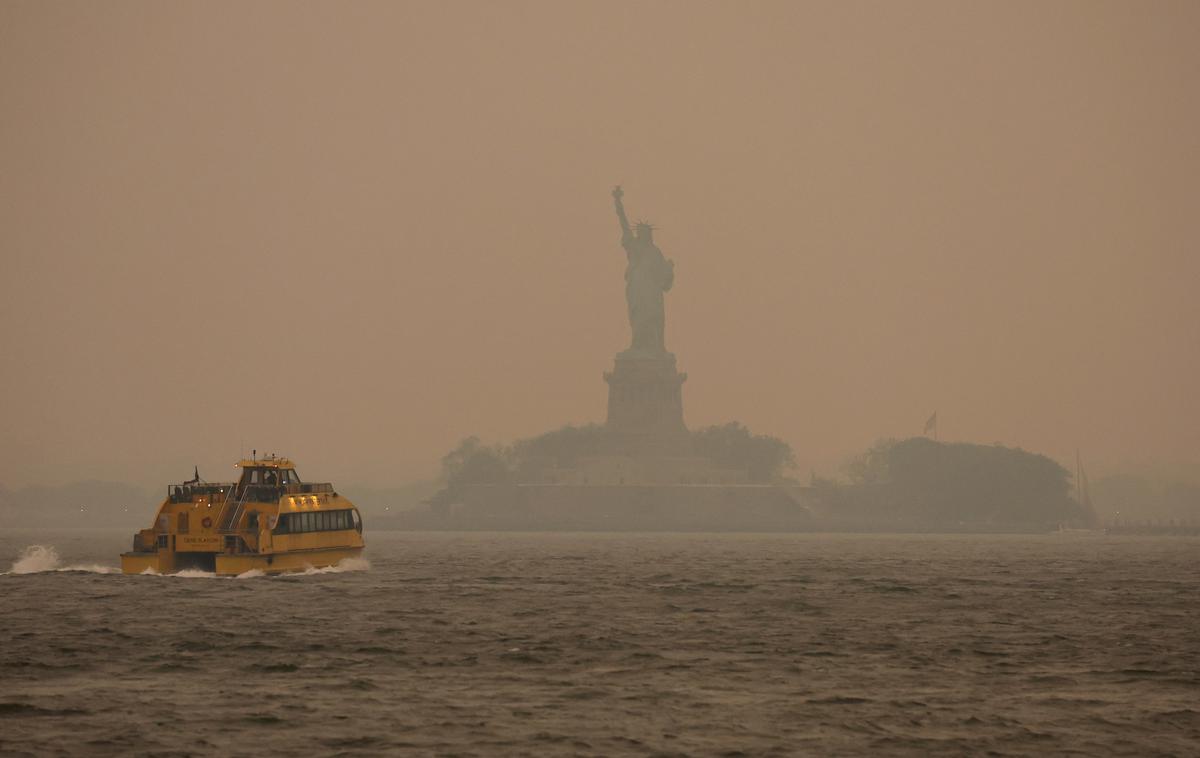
{"points": [[147, 563]]}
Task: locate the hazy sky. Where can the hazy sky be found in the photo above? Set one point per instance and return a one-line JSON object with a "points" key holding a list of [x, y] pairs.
{"points": [[356, 233]]}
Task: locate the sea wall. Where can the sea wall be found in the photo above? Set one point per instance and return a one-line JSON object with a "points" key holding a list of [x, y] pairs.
{"points": [[604, 507]]}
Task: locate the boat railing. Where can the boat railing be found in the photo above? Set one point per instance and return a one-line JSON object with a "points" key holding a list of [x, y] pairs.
{"points": [[233, 511], [186, 493], [249, 493]]}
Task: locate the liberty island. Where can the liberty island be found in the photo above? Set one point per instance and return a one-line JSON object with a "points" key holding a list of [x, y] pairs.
{"points": [[642, 468]]}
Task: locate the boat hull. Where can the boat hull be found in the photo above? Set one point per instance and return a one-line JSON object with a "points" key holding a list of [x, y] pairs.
{"points": [[280, 563], [147, 563], [230, 564]]}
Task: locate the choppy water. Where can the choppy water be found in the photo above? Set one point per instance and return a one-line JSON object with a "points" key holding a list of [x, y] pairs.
{"points": [[482, 644]]}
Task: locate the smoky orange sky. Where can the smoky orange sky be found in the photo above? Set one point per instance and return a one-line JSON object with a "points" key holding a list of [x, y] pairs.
{"points": [[355, 233]]}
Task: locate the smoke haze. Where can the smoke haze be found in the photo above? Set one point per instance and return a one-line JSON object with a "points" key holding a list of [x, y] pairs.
{"points": [[356, 234]]}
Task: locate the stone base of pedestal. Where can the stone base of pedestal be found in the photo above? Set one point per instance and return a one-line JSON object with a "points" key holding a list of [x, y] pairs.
{"points": [[645, 403]]}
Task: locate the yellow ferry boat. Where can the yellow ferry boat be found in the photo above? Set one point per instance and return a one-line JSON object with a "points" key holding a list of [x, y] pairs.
{"points": [[268, 520]]}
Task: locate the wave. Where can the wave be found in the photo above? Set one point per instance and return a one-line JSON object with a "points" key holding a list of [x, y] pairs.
{"points": [[38, 559], [342, 566], [199, 574]]}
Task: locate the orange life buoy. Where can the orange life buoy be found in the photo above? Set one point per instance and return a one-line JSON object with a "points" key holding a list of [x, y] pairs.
{"points": [[206, 523]]}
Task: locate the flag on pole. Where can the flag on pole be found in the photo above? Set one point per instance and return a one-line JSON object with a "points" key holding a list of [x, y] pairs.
{"points": [[931, 425]]}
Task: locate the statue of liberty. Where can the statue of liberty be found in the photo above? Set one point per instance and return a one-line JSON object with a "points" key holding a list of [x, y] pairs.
{"points": [[647, 276]]}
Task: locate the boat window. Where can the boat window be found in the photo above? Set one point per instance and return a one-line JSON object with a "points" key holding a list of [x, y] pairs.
{"points": [[183, 523], [317, 521]]}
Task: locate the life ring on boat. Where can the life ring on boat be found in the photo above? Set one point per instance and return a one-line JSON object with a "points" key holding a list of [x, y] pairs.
{"points": [[206, 523]]}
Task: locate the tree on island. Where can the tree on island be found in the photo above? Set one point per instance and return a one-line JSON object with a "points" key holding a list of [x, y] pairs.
{"points": [[561, 448], [731, 445], [953, 482], [473, 462], [870, 467]]}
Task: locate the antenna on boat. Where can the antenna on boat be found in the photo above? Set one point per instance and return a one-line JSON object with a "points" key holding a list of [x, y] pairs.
{"points": [[254, 454]]}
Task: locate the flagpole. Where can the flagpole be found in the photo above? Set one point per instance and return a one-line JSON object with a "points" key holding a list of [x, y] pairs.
{"points": [[931, 425]]}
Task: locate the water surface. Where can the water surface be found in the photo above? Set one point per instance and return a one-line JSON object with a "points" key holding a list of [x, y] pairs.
{"points": [[487, 644]]}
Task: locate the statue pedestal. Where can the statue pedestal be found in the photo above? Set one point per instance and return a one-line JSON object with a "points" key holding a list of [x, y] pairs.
{"points": [[645, 403]]}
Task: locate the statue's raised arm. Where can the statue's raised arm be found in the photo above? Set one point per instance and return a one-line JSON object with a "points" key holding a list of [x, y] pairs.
{"points": [[626, 232]]}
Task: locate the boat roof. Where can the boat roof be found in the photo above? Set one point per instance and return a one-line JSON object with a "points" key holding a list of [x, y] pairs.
{"points": [[271, 462]]}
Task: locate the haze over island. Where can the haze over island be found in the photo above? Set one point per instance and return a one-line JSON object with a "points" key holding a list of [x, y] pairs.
{"points": [[358, 243]]}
